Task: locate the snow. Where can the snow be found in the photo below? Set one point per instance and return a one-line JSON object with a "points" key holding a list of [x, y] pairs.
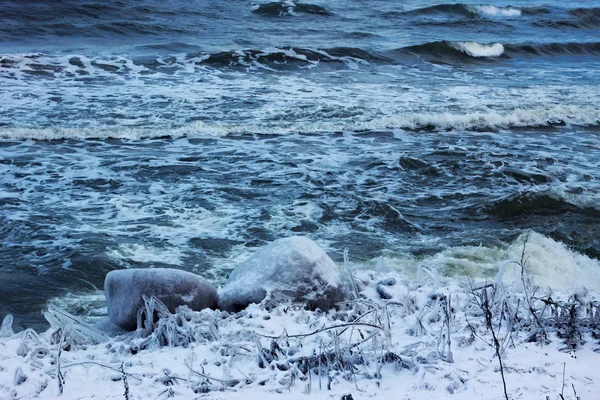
{"points": [[232, 350]]}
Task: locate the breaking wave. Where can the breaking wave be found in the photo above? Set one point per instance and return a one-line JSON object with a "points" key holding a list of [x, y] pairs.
{"points": [[482, 10], [448, 52], [475, 49], [576, 18], [83, 67], [288, 8], [542, 203], [427, 122]]}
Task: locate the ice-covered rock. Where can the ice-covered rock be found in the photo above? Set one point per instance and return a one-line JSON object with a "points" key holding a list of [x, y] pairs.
{"points": [[294, 267], [6, 328], [124, 290]]}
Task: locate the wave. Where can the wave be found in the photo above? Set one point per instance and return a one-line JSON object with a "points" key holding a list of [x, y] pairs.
{"points": [[288, 8], [446, 51], [534, 118], [541, 203], [450, 52], [85, 67], [80, 66], [432, 51], [277, 57], [481, 10], [586, 17], [577, 18], [553, 49]]}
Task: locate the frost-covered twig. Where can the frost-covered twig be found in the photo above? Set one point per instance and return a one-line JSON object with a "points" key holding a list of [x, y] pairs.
{"points": [[229, 383], [484, 304], [125, 383], [59, 375], [328, 328], [100, 365]]}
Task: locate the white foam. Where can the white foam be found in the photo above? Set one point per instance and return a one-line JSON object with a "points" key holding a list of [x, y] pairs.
{"points": [[140, 253], [194, 129], [474, 120], [551, 263], [475, 49], [490, 10], [556, 266]]}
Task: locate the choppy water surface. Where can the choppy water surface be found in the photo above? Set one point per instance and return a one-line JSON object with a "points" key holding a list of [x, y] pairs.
{"points": [[186, 135]]}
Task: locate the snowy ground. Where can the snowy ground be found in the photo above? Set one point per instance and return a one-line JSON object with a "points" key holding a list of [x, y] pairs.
{"points": [[393, 348]]}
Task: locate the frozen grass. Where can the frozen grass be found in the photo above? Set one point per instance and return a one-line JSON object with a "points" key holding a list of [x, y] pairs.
{"points": [[396, 338]]}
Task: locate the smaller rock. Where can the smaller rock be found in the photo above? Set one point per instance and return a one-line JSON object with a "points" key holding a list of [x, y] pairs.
{"points": [[124, 290], [383, 293], [347, 397], [387, 282]]}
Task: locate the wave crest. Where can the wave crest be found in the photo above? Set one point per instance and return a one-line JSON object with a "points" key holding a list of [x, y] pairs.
{"points": [[427, 122], [473, 10], [289, 8], [475, 49]]}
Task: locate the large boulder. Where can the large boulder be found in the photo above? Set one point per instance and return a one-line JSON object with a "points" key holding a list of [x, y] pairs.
{"points": [[295, 267], [124, 290]]}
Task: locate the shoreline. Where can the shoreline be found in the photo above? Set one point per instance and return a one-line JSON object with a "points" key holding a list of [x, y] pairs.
{"points": [[389, 348]]}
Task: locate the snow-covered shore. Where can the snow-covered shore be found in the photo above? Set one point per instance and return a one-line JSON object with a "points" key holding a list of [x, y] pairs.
{"points": [[390, 343]]}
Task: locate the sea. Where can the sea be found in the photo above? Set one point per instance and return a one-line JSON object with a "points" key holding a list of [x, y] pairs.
{"points": [[186, 134]]}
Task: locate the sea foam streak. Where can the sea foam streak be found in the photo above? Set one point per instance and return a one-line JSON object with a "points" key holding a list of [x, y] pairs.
{"points": [[585, 116]]}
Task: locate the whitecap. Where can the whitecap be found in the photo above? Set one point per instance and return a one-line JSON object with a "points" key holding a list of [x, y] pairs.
{"points": [[490, 10], [475, 49]]}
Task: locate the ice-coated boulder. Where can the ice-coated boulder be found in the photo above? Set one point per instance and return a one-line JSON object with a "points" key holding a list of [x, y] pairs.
{"points": [[124, 289], [295, 267]]}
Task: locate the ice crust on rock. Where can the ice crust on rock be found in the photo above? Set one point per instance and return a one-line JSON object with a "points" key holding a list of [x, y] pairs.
{"points": [[6, 328], [294, 267], [124, 290]]}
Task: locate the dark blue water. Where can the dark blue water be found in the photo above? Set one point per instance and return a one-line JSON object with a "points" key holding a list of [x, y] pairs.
{"points": [[186, 134]]}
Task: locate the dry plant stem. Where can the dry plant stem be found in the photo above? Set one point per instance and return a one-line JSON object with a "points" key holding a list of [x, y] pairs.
{"points": [[125, 383], [562, 389], [101, 365], [352, 324], [448, 306], [532, 311], [489, 324], [226, 382], [260, 351], [59, 375]]}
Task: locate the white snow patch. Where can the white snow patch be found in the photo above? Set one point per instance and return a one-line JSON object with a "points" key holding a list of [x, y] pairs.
{"points": [[227, 347]]}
